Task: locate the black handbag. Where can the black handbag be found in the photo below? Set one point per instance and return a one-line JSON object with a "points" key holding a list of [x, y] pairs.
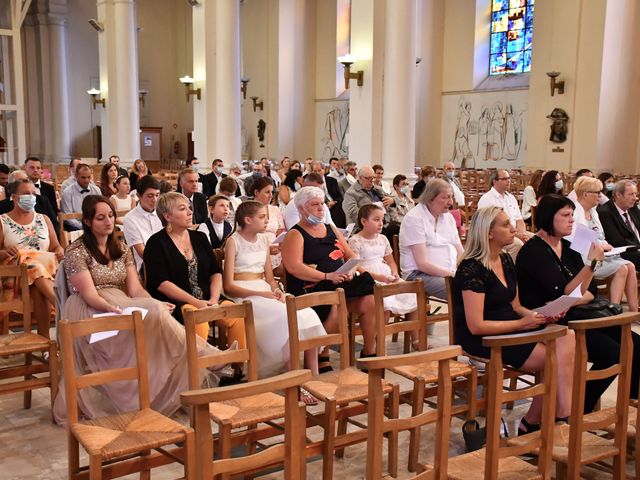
{"points": [[475, 436], [599, 307]]}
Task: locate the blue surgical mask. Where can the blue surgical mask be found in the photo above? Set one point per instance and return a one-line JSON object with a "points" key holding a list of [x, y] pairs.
{"points": [[27, 202], [195, 167], [610, 187], [451, 174], [559, 184], [313, 220], [405, 189], [218, 170]]}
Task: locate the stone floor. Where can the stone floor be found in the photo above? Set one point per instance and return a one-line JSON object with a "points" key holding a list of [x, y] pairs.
{"points": [[34, 448]]}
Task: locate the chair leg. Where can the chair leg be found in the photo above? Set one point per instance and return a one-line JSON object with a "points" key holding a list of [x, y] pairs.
{"points": [[392, 441], [329, 439], [251, 449], [26, 401], [95, 467], [73, 449], [342, 430], [417, 400], [145, 474], [352, 340], [225, 445], [190, 455], [53, 373], [513, 384], [472, 394], [561, 471]]}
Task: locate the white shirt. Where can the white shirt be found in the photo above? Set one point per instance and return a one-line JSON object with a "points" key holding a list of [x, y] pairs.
{"points": [[441, 239], [458, 196], [68, 181], [292, 215], [138, 225], [507, 201], [217, 227]]}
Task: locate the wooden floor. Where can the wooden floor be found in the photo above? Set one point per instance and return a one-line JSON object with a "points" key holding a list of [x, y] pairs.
{"points": [[33, 448]]}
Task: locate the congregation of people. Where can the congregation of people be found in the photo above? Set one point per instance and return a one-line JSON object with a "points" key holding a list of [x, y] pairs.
{"points": [[266, 229]]}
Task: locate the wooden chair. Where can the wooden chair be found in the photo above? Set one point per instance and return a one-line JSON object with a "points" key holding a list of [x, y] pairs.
{"points": [[343, 392], [27, 343], [64, 236], [423, 375], [443, 358], [573, 444], [119, 444], [291, 453], [242, 412], [497, 458]]}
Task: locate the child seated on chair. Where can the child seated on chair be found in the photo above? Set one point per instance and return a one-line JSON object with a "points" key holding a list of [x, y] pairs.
{"points": [[216, 227]]}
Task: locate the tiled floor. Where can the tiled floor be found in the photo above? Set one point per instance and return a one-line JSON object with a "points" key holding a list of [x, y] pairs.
{"points": [[33, 448]]}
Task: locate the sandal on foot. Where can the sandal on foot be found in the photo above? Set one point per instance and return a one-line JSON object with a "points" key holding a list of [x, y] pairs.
{"points": [[528, 427], [307, 398]]}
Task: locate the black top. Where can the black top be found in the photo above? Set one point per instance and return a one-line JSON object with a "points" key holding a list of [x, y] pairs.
{"points": [[213, 236], [134, 178], [163, 261], [418, 188], [316, 251], [472, 275], [542, 276], [49, 192]]}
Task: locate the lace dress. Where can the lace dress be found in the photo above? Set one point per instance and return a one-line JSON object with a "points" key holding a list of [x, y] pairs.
{"points": [[270, 315], [164, 339], [275, 225], [374, 250]]}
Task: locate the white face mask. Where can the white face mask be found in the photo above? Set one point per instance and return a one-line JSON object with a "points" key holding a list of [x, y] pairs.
{"points": [[195, 167]]}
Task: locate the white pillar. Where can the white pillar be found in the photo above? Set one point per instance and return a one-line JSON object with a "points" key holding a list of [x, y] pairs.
{"points": [[119, 80], [216, 71], [399, 89], [59, 90]]}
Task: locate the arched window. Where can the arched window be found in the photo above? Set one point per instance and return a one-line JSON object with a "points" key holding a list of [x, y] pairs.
{"points": [[511, 36]]}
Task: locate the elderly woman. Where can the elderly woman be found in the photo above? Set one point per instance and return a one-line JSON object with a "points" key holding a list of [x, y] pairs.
{"points": [[180, 265], [312, 251], [588, 192], [401, 196], [548, 268], [485, 293], [28, 237], [429, 241]]}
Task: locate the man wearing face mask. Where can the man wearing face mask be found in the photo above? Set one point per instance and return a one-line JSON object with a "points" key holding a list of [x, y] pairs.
{"points": [[450, 176], [194, 165], [42, 204], [335, 169], [400, 195], [350, 170], [333, 194], [211, 180], [257, 171]]}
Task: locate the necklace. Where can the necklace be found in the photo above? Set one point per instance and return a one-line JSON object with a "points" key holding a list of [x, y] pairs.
{"points": [[182, 245]]}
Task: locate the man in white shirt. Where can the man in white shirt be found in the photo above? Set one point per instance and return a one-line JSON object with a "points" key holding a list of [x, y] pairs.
{"points": [[499, 196], [73, 195], [429, 241], [142, 222], [71, 179], [450, 176], [291, 213]]}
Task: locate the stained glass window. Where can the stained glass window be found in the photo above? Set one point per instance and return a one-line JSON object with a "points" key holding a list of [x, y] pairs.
{"points": [[511, 36]]}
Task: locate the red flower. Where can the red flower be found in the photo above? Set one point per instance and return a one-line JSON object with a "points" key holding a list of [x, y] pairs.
{"points": [[338, 253]]}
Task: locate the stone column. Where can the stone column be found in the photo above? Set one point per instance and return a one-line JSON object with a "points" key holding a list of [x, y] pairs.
{"points": [[59, 90], [119, 80], [216, 71]]}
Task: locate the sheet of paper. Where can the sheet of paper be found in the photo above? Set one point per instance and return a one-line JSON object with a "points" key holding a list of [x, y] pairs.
{"points": [[96, 337], [616, 251], [560, 305], [351, 264], [583, 239], [279, 238]]}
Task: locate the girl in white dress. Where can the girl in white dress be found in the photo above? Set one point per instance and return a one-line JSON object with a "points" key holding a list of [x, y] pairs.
{"points": [[371, 245], [248, 275], [122, 201]]}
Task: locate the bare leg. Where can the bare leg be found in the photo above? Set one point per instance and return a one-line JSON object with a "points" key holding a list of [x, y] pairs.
{"points": [[631, 288], [364, 306], [311, 360], [45, 286], [618, 284]]}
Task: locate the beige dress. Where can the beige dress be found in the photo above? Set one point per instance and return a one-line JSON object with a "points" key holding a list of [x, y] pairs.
{"points": [[164, 338]]}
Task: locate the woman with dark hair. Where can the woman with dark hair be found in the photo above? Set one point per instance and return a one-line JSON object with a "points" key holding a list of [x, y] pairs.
{"points": [[608, 185], [102, 278], [529, 196], [548, 268], [262, 191], [551, 182], [108, 179], [292, 183]]}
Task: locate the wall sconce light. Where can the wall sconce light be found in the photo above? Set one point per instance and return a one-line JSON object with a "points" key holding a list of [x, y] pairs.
{"points": [[193, 3], [555, 84], [257, 104], [94, 98], [347, 61], [188, 81], [243, 86], [97, 26], [141, 95]]}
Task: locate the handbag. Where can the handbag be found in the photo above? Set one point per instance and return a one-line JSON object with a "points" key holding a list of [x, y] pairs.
{"points": [[475, 436], [599, 307]]}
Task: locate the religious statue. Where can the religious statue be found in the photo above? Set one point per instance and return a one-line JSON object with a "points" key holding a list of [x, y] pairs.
{"points": [[559, 126], [262, 126]]}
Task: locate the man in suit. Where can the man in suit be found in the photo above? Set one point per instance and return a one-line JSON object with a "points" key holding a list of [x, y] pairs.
{"points": [[351, 171], [620, 219], [333, 194], [122, 172], [211, 180], [33, 169], [189, 184]]}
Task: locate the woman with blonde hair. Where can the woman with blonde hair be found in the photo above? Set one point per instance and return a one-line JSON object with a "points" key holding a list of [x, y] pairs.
{"points": [[588, 192], [485, 294]]}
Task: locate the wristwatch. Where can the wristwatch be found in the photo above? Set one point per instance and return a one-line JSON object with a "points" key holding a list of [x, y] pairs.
{"points": [[594, 264]]}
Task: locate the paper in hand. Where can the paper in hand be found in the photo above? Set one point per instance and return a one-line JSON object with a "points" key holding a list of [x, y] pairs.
{"points": [[616, 251], [560, 305], [583, 239], [351, 264], [98, 336]]}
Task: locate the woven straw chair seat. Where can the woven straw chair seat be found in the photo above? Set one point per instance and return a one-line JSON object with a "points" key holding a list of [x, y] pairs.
{"points": [[429, 370], [343, 386], [601, 414], [248, 410], [16, 343], [471, 466], [123, 434]]}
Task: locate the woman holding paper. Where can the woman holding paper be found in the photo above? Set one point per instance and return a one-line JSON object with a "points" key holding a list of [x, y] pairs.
{"points": [[588, 193], [102, 277], [485, 294], [313, 252], [548, 268]]}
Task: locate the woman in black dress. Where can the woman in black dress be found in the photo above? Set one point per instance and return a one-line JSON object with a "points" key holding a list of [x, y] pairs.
{"points": [[485, 294], [548, 268]]}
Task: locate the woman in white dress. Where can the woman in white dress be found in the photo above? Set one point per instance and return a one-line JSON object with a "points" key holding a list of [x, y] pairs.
{"points": [[248, 275], [262, 190]]}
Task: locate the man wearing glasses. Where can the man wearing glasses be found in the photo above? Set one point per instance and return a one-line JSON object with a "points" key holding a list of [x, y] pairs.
{"points": [[499, 196]]}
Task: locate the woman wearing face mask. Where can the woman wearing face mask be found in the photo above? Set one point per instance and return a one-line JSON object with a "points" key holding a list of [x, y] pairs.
{"points": [[28, 237], [426, 173], [608, 184], [551, 183], [400, 195]]}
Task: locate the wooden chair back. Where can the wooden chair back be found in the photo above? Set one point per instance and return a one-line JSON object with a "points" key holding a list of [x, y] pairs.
{"points": [[63, 234], [297, 346], [619, 416], [533, 227], [496, 396], [380, 292], [193, 317], [451, 308], [16, 297], [395, 249], [75, 381], [377, 425], [291, 452]]}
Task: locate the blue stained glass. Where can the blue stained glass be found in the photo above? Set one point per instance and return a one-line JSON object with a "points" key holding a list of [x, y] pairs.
{"points": [[527, 61], [500, 21], [515, 63], [498, 63], [498, 42], [528, 39], [531, 2], [516, 41], [517, 3], [528, 19], [516, 18], [499, 5]]}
